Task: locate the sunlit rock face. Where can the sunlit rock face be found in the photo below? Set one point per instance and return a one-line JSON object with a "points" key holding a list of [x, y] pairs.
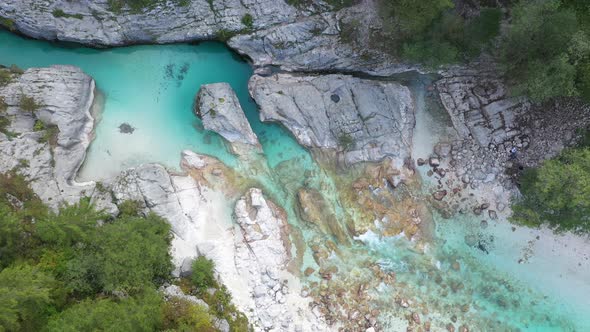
{"points": [[97, 23], [219, 108], [479, 104], [367, 120], [64, 97]]}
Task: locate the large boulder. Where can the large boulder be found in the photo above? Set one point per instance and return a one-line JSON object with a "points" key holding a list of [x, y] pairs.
{"points": [[219, 108], [367, 120], [64, 96]]}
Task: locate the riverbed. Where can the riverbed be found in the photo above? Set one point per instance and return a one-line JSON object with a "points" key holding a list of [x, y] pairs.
{"points": [[151, 90]]}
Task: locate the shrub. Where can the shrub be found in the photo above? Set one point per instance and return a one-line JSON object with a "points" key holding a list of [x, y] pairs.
{"points": [[224, 35], [4, 123], [50, 136], [60, 13], [3, 105], [248, 21], [5, 77], [130, 208], [39, 125], [346, 141], [182, 315], [28, 104], [7, 23], [16, 70], [202, 275]]}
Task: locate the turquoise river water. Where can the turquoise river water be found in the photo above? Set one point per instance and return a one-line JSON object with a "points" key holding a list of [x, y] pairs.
{"points": [[152, 88]]}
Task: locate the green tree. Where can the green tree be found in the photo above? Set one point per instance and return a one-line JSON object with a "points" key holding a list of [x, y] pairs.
{"points": [[541, 49], [556, 194], [203, 273], [410, 17], [25, 298], [142, 313], [182, 315], [125, 255]]}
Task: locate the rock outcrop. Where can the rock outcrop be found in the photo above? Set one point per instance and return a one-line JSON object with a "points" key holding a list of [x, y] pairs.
{"points": [[341, 41], [311, 36], [97, 23], [262, 253], [365, 119], [479, 105], [219, 108], [250, 257], [48, 143]]}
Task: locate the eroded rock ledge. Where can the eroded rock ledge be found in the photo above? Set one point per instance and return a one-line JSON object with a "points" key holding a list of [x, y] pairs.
{"points": [[64, 96], [92, 22], [364, 119]]}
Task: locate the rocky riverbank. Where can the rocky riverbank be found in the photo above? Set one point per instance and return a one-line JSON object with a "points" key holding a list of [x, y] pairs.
{"points": [[366, 125], [307, 37], [50, 128], [257, 246]]}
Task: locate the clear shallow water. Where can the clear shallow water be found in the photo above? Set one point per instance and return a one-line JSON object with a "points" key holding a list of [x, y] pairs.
{"points": [[152, 88]]}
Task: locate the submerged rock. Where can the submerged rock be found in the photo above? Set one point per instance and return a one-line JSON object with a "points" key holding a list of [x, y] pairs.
{"points": [[219, 108], [371, 121], [315, 210], [126, 128]]}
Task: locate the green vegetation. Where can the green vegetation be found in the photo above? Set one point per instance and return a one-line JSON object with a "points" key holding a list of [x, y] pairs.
{"points": [[346, 141], [202, 275], [28, 104], [431, 33], [3, 105], [60, 13], [39, 125], [81, 270], [135, 6], [130, 208], [4, 123], [5, 77], [7, 23], [547, 49], [336, 4], [556, 194], [224, 35], [50, 135], [248, 21]]}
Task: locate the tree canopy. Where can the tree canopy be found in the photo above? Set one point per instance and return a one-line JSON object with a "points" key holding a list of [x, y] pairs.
{"points": [[556, 194]]}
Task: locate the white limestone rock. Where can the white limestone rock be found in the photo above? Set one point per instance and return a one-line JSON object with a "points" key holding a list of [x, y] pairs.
{"points": [[478, 103], [262, 253], [65, 96], [219, 108], [92, 22], [175, 291], [368, 120]]}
